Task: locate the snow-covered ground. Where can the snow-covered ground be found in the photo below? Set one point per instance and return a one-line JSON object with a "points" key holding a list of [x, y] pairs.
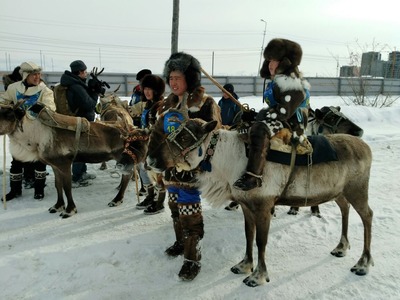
{"points": [[118, 253]]}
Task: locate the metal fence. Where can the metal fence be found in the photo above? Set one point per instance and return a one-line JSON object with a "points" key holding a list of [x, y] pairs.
{"points": [[249, 86]]}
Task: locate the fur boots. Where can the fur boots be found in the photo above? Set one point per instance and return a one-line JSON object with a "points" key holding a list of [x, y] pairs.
{"points": [[15, 185], [177, 248], [191, 218], [259, 145]]}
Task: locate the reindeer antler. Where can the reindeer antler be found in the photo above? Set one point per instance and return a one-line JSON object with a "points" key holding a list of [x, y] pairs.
{"points": [[116, 90], [95, 72]]}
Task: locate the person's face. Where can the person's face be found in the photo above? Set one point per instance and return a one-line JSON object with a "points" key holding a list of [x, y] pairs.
{"points": [[177, 82], [83, 74], [148, 93], [273, 65], [33, 79]]}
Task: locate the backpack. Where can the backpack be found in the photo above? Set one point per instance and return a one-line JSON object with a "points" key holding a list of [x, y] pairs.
{"points": [[61, 101]]}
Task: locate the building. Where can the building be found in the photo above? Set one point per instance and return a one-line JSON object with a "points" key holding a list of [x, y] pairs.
{"points": [[372, 65]]}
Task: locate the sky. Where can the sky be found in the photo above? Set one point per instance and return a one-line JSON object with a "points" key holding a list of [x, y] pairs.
{"points": [[104, 253], [226, 36]]}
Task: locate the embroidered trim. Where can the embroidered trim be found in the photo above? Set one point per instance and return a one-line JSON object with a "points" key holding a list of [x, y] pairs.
{"points": [[40, 174]]}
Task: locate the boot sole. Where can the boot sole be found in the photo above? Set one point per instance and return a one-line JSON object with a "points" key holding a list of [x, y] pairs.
{"points": [[154, 212]]}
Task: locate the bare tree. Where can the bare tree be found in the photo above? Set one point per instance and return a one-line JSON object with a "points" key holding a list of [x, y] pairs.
{"points": [[364, 91]]}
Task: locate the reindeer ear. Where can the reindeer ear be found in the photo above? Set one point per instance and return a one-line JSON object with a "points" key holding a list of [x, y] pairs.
{"points": [[210, 126], [337, 108], [319, 114]]}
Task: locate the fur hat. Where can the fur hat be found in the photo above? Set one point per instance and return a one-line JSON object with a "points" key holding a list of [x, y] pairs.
{"points": [[229, 87], [287, 52], [156, 83], [77, 66], [186, 64], [142, 73], [29, 68]]}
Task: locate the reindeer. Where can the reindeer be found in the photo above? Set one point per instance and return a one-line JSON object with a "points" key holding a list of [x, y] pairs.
{"points": [[114, 111], [58, 140], [323, 121], [195, 145]]}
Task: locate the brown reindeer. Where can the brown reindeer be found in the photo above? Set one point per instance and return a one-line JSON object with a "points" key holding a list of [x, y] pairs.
{"points": [[196, 145], [58, 140], [114, 111], [323, 121]]}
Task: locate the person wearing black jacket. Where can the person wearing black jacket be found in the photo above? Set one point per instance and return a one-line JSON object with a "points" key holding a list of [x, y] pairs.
{"points": [[82, 99]]}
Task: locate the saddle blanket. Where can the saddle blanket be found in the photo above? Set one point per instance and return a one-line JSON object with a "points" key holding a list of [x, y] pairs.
{"points": [[322, 152]]}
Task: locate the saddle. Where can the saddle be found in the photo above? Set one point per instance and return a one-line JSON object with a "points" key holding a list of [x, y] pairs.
{"points": [[322, 152], [55, 120]]}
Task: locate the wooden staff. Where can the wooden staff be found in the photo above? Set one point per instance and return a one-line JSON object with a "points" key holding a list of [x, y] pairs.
{"points": [[4, 172], [222, 89], [136, 183]]}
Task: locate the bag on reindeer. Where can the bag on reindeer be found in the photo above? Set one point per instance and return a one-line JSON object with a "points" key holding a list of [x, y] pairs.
{"points": [[61, 101]]}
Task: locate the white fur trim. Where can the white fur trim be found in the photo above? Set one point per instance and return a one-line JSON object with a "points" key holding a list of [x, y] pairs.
{"points": [[194, 109]]}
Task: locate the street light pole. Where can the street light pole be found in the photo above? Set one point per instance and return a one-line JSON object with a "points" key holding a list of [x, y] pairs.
{"points": [[262, 46]]}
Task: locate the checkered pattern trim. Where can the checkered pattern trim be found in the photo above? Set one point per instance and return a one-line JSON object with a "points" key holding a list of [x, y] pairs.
{"points": [[273, 125], [40, 174], [172, 197], [190, 209]]}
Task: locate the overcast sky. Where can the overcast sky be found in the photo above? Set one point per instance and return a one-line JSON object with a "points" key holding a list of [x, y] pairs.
{"points": [[128, 35]]}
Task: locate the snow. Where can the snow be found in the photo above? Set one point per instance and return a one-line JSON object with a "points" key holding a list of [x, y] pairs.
{"points": [[118, 253]]}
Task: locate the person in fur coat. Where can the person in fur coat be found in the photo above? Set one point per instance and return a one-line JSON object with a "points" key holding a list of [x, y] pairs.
{"points": [[182, 73], [32, 90], [153, 88], [287, 96]]}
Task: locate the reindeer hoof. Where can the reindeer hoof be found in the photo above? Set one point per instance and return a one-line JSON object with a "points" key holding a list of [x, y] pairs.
{"points": [[65, 215], [116, 203], [53, 209], [293, 211]]}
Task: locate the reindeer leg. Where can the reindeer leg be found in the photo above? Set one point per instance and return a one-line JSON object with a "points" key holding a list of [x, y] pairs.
{"points": [[246, 265], [262, 219], [60, 205], [67, 177], [366, 214], [344, 244], [118, 200]]}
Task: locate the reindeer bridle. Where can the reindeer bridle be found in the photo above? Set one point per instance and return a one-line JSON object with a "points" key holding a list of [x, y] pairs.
{"points": [[332, 127], [184, 151], [128, 147]]}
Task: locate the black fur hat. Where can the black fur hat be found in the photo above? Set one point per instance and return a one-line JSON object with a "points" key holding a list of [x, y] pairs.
{"points": [[287, 52], [156, 83], [142, 73], [186, 64]]}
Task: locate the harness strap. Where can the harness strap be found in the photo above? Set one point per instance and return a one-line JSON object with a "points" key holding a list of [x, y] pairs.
{"points": [[78, 132], [205, 164]]}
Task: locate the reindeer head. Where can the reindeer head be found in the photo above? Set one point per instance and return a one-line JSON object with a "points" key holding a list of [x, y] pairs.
{"points": [[175, 136], [10, 116], [135, 149]]}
